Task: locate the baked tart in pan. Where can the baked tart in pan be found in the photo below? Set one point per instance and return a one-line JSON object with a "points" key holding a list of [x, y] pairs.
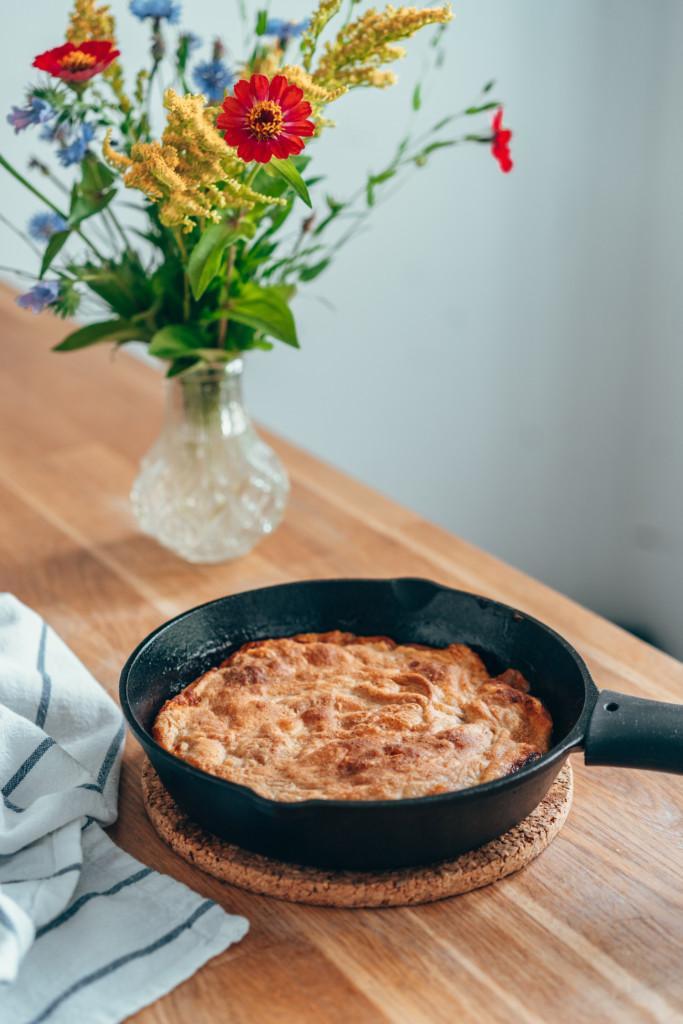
{"points": [[344, 717]]}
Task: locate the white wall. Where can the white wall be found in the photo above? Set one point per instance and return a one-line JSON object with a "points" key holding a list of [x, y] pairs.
{"points": [[503, 354]]}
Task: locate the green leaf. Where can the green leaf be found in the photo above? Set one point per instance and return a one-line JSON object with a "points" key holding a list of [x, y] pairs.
{"points": [[287, 170], [180, 365], [310, 273], [93, 192], [421, 159], [285, 291], [53, 248], [417, 97], [377, 179], [123, 284], [265, 309], [443, 122], [261, 22], [301, 161], [205, 261], [109, 330], [489, 85], [335, 209], [96, 175], [176, 341], [483, 107]]}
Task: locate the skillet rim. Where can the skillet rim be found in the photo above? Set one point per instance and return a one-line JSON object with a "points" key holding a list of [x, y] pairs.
{"points": [[572, 741]]}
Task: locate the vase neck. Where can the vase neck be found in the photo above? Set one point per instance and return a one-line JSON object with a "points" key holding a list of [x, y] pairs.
{"points": [[207, 398]]}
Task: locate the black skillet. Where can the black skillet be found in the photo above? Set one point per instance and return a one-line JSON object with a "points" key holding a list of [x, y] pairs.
{"points": [[611, 728]]}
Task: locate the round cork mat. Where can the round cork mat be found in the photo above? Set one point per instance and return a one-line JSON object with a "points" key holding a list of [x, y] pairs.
{"points": [[299, 884]]}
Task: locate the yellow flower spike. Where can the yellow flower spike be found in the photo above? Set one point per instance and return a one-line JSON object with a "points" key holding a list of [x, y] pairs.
{"points": [[324, 13], [376, 78], [87, 21], [313, 91], [119, 161], [140, 83], [190, 172], [362, 46]]}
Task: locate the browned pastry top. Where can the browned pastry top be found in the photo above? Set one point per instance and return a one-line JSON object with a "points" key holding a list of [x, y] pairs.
{"points": [[345, 717]]}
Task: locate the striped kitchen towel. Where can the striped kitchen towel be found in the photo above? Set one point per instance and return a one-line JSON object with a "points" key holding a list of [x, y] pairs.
{"points": [[87, 933]]}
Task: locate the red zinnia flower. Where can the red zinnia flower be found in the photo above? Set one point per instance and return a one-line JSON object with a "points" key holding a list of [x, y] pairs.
{"points": [[500, 145], [265, 119], [77, 63]]}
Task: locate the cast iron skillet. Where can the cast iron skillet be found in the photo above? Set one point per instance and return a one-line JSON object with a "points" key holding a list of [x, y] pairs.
{"points": [[610, 727]]}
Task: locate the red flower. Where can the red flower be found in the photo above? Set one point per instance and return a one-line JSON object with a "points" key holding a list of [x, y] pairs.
{"points": [[265, 119], [500, 145], [77, 63]]}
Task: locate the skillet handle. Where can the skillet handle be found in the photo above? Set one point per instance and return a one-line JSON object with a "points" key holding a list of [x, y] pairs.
{"points": [[629, 732]]}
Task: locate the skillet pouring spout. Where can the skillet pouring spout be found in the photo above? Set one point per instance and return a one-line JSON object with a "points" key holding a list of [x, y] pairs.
{"points": [[629, 732]]}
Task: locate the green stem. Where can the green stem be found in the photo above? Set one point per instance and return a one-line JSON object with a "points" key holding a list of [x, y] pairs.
{"points": [[225, 287], [177, 234], [117, 224], [224, 295], [27, 184], [19, 273], [39, 195]]}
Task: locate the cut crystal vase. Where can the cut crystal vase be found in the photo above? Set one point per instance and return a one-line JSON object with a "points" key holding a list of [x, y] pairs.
{"points": [[209, 488]]}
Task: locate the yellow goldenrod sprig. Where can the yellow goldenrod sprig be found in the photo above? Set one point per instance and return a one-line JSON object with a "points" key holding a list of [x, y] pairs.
{"points": [[87, 21], [315, 93], [190, 172], [365, 44], [324, 13]]}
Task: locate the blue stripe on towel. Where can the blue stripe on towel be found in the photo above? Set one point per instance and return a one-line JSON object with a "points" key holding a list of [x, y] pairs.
{"points": [[12, 806], [110, 757], [30, 763], [44, 878], [107, 764], [121, 961], [86, 897], [47, 682]]}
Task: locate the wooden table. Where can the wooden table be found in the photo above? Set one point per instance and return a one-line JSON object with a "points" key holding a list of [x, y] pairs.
{"points": [[591, 931]]}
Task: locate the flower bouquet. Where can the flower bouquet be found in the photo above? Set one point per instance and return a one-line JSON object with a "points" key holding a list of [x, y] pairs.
{"points": [[229, 222]]}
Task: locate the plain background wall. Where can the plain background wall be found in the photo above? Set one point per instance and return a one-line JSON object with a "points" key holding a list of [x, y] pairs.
{"points": [[503, 352]]}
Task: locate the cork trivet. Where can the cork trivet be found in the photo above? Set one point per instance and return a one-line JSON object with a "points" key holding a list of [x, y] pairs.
{"points": [[298, 884]]}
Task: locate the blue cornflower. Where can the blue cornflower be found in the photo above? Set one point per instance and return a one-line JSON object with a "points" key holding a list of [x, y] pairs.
{"points": [[285, 29], [213, 77], [36, 112], [50, 132], [74, 152], [42, 226], [156, 9], [38, 298]]}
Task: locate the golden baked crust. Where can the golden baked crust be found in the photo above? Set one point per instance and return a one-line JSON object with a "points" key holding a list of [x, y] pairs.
{"points": [[345, 717]]}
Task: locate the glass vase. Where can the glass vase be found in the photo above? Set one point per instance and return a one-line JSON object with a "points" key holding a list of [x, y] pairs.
{"points": [[209, 488]]}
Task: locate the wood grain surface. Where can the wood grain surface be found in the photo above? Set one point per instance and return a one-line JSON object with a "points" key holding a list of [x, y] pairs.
{"points": [[591, 931]]}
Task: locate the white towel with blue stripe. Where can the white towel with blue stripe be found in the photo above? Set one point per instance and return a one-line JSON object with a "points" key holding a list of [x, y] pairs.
{"points": [[87, 933]]}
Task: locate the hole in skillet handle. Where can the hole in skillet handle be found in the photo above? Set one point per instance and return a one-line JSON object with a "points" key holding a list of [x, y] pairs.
{"points": [[645, 733]]}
